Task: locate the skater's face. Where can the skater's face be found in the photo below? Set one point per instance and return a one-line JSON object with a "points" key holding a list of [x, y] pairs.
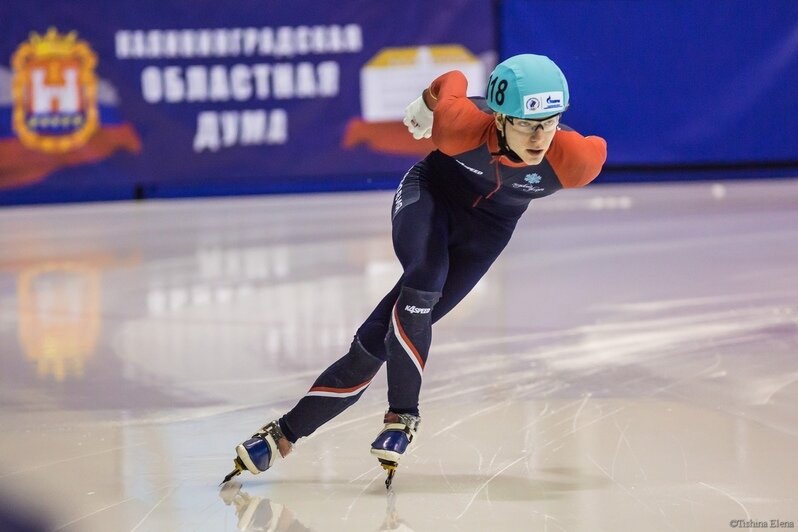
{"points": [[530, 139]]}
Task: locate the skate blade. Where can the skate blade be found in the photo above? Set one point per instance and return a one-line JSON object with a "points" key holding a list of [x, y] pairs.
{"points": [[388, 480], [238, 468], [389, 466]]}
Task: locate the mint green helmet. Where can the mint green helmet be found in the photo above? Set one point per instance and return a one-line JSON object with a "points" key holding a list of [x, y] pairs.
{"points": [[527, 86]]}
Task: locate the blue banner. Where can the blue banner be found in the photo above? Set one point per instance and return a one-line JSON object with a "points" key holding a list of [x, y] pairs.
{"points": [[102, 100], [672, 83]]}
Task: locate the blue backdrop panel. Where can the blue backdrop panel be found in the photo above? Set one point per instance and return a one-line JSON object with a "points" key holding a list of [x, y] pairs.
{"points": [[671, 83], [210, 97]]}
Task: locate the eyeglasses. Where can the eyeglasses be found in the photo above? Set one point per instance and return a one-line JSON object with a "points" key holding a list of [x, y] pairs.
{"points": [[531, 126]]}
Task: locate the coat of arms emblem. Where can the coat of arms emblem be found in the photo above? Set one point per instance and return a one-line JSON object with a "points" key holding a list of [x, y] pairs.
{"points": [[54, 92]]}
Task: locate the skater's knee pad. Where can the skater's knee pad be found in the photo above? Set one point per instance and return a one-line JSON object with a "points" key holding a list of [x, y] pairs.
{"points": [[411, 322], [372, 335], [360, 360], [415, 306], [355, 368]]}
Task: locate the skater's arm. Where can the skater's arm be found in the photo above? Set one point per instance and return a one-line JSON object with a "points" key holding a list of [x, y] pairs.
{"points": [[576, 160], [458, 125]]}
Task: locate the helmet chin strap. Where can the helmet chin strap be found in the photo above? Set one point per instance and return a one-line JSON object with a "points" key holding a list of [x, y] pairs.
{"points": [[504, 149]]}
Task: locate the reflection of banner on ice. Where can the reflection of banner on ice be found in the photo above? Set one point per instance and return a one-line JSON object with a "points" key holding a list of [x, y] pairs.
{"points": [[59, 316], [392, 79], [54, 112], [59, 304]]}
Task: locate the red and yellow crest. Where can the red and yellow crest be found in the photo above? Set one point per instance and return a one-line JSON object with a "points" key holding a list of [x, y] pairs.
{"points": [[54, 92]]}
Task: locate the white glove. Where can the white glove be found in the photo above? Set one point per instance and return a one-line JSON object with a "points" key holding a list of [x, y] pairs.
{"points": [[418, 119]]}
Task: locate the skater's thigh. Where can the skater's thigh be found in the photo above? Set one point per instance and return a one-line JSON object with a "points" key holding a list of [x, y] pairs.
{"points": [[420, 240], [469, 261]]}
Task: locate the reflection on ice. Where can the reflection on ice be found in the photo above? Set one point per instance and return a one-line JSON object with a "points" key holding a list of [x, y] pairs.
{"points": [[629, 367], [255, 513], [258, 513]]}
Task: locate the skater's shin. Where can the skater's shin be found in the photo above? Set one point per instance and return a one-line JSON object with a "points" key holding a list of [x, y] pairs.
{"points": [[408, 341], [336, 389]]}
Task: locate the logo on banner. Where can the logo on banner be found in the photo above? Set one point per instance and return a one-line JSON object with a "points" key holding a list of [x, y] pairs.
{"points": [[54, 92]]}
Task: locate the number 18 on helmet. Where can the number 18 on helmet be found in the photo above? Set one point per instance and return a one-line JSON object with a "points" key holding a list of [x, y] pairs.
{"points": [[527, 86]]}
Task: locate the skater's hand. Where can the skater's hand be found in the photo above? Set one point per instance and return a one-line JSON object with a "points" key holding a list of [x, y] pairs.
{"points": [[418, 119]]}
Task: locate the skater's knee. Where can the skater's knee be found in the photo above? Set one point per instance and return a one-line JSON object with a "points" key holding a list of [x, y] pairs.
{"points": [[370, 336], [424, 279], [354, 368], [365, 357], [414, 302], [425, 273]]}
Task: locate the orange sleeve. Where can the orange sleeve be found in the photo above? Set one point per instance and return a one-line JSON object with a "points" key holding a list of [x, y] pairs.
{"points": [[576, 160], [458, 125]]}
